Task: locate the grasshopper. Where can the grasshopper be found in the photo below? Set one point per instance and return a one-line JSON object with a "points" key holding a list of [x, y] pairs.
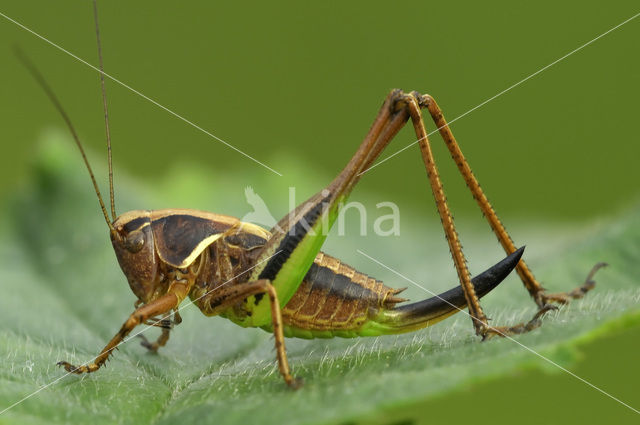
{"points": [[279, 280]]}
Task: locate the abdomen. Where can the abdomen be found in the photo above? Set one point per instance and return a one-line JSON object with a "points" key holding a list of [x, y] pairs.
{"points": [[335, 300]]}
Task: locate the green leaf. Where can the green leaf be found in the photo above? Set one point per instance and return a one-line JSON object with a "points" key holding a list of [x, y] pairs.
{"points": [[64, 296]]}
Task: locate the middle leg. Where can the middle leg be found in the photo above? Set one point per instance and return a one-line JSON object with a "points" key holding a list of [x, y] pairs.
{"points": [[227, 297]]}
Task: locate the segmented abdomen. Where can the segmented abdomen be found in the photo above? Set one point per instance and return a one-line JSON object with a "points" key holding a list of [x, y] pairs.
{"points": [[334, 299]]}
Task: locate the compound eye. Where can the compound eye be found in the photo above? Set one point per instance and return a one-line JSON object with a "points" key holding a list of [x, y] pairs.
{"points": [[134, 241]]}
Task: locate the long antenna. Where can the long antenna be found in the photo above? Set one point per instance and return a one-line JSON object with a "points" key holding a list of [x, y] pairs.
{"points": [[45, 86], [106, 112]]}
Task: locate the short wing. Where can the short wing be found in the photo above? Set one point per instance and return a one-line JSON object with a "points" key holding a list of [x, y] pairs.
{"points": [[181, 235]]}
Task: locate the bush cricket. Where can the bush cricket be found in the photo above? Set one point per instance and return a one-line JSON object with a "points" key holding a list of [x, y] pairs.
{"points": [[279, 280]]}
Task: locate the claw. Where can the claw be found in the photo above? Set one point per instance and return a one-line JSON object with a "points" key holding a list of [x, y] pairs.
{"points": [[70, 368], [295, 383], [153, 347]]}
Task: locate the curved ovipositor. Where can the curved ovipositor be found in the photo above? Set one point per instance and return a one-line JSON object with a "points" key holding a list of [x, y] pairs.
{"points": [[424, 313]]}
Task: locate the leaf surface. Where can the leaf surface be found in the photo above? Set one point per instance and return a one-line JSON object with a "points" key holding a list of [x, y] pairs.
{"points": [[64, 297]]}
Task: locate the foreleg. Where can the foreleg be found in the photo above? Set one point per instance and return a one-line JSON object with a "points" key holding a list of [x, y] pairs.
{"points": [[160, 307]]}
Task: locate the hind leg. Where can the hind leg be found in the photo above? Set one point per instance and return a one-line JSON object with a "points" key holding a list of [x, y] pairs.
{"points": [[415, 102], [537, 292]]}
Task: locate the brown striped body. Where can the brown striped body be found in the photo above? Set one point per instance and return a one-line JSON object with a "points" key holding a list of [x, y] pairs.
{"points": [[335, 296], [332, 299], [332, 296]]}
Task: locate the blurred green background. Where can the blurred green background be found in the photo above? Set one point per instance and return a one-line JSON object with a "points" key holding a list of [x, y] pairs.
{"points": [[305, 81], [297, 85]]}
